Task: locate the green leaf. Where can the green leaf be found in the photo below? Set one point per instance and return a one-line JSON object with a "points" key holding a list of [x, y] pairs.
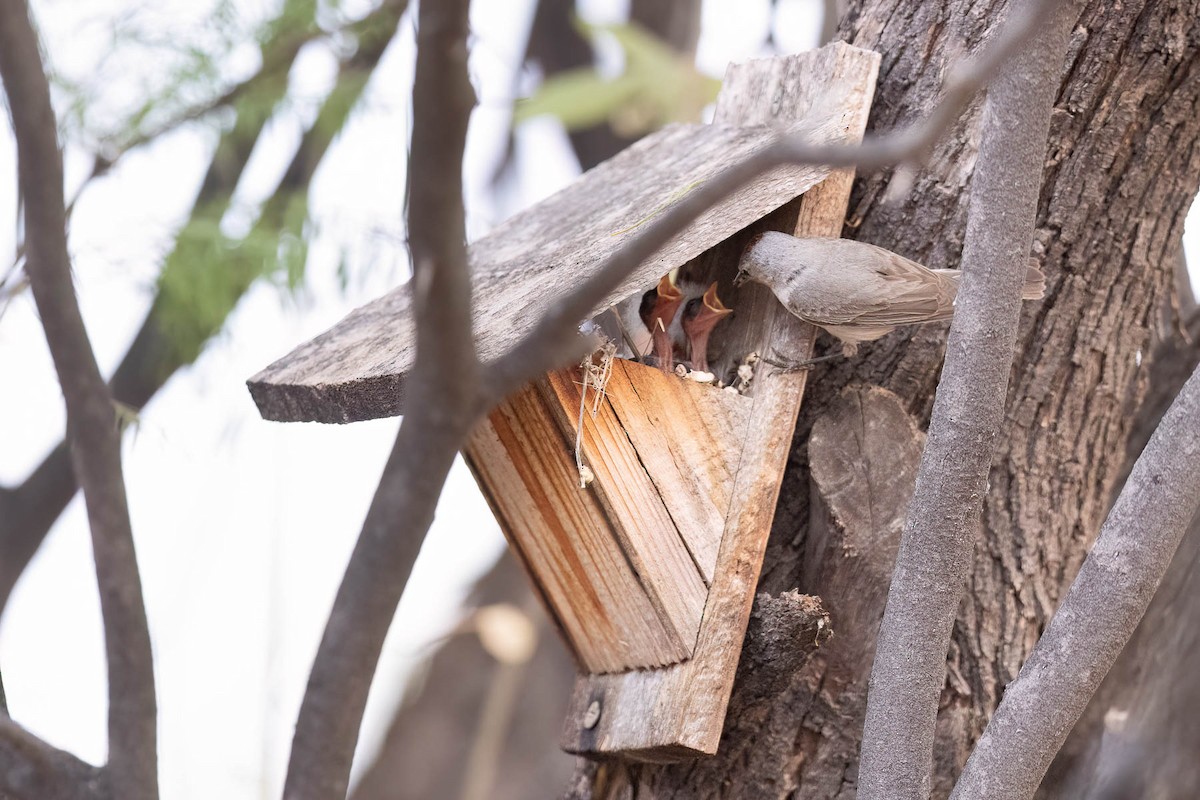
{"points": [[658, 86], [579, 98]]}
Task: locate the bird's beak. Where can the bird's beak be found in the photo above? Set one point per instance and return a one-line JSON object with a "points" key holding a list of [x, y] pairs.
{"points": [[661, 315], [698, 321]]}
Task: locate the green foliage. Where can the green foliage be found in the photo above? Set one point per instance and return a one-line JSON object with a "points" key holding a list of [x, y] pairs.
{"points": [[658, 86], [118, 101], [208, 272], [126, 417]]}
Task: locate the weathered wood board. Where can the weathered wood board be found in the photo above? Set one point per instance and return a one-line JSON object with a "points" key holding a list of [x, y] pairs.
{"points": [[356, 370], [678, 711], [625, 565]]}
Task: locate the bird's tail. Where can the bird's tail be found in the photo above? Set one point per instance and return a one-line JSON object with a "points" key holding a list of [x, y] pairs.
{"points": [[1034, 288]]}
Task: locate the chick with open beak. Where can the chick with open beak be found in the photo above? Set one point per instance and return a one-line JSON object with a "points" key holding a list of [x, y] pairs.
{"points": [[700, 316], [659, 313]]}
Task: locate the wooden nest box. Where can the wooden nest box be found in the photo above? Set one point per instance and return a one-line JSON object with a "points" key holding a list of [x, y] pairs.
{"points": [[650, 571]]}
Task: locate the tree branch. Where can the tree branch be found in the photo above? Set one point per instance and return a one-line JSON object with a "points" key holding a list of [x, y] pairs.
{"points": [[1099, 613], [30, 769], [940, 531], [32, 508], [91, 419], [444, 408]]}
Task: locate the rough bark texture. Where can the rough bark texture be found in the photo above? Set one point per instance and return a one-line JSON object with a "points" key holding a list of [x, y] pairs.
{"points": [[1121, 171], [1140, 733]]}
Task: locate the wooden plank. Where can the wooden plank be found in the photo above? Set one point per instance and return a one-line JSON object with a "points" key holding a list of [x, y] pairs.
{"points": [[526, 469], [678, 711], [642, 539], [689, 438], [637, 518], [356, 370]]}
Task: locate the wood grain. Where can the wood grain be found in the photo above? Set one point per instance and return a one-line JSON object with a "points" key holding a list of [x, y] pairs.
{"points": [[678, 711], [563, 534], [631, 557], [688, 436]]}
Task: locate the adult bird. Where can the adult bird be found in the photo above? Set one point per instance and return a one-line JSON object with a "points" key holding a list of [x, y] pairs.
{"points": [[856, 291]]}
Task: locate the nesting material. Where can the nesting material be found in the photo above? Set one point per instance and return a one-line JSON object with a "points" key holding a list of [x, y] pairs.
{"points": [[596, 376]]}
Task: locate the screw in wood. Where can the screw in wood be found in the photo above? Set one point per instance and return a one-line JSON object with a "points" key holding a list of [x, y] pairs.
{"points": [[592, 715]]}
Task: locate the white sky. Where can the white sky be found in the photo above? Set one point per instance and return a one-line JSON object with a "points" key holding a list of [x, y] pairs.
{"points": [[243, 527]]}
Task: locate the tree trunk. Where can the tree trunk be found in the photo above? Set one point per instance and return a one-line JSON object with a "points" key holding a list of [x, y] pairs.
{"points": [[1140, 733], [1122, 168]]}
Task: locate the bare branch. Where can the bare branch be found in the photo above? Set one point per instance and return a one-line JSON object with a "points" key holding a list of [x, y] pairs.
{"points": [[30, 769], [552, 342], [444, 408], [1099, 613], [494, 726], [91, 422], [31, 508], [676, 24], [943, 517]]}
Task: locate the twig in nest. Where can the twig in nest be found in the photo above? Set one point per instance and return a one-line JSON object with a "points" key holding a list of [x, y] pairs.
{"points": [[597, 375]]}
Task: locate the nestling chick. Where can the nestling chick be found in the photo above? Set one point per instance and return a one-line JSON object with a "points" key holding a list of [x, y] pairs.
{"points": [[653, 322], [659, 318], [854, 290], [700, 316]]}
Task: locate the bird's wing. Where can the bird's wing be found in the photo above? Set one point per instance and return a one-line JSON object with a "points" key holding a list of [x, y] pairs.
{"points": [[886, 289]]}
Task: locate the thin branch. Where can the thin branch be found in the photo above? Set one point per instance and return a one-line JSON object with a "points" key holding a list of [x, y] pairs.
{"points": [[444, 408], [91, 422], [676, 24], [943, 516], [552, 341], [30, 769], [32, 508], [495, 718], [1099, 613]]}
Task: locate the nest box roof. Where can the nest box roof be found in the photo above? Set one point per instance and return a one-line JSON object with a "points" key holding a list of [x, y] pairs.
{"points": [[356, 370]]}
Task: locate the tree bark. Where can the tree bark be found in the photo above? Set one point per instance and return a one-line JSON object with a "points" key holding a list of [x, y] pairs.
{"points": [[1140, 732], [1121, 171]]}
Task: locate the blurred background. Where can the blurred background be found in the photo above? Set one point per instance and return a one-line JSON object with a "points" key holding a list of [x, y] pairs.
{"points": [[239, 174]]}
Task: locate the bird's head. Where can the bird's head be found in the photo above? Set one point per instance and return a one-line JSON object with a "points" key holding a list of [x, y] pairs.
{"points": [[749, 266]]}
